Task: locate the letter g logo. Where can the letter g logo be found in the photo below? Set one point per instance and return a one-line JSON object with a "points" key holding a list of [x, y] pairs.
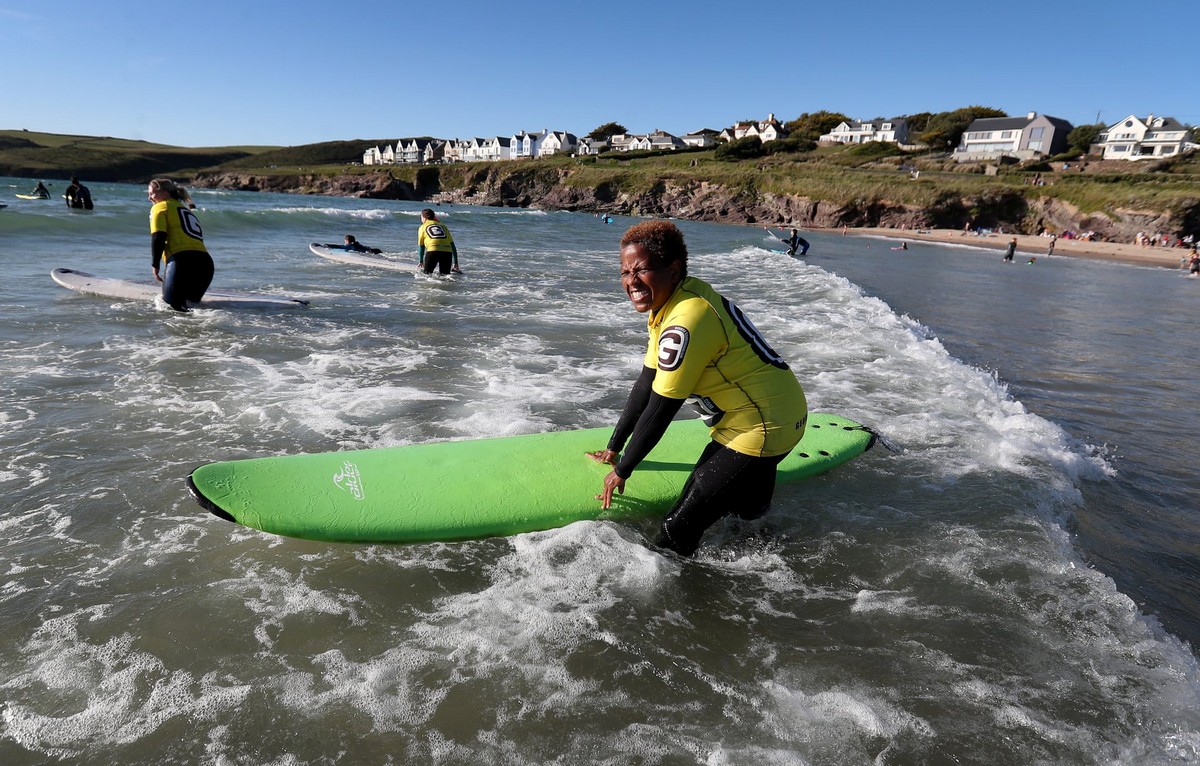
{"points": [[672, 345]]}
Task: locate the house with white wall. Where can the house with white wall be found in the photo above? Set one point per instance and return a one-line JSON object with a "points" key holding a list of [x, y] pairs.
{"points": [[590, 146], [703, 138], [1022, 138], [497, 148], [1134, 138], [660, 140], [371, 156], [769, 129], [525, 144], [893, 131], [557, 142]]}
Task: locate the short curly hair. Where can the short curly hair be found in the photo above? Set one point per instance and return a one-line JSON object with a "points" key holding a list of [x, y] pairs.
{"points": [[662, 240]]}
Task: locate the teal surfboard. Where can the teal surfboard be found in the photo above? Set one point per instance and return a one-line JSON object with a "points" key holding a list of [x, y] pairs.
{"points": [[479, 488]]}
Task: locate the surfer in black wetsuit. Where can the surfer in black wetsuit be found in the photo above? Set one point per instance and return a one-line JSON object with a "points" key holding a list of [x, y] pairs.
{"points": [[78, 196], [354, 246], [796, 242]]}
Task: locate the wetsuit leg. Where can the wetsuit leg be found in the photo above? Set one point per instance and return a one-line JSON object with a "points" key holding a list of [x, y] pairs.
{"points": [[440, 260], [723, 481], [186, 278]]}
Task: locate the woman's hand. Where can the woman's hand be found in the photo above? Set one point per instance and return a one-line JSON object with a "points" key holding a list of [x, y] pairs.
{"points": [[606, 456], [611, 482], [156, 276]]}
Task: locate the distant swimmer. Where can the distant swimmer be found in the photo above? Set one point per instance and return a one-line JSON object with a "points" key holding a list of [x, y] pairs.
{"points": [[40, 191], [1012, 249], [1032, 259], [903, 246]]}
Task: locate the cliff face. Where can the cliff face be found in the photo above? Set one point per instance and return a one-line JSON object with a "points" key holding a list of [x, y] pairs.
{"points": [[374, 185], [704, 201]]}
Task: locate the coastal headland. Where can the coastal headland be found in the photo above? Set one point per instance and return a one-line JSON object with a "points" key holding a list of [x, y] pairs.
{"points": [[708, 201]]}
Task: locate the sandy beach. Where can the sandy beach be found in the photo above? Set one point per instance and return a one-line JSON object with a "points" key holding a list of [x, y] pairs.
{"points": [[1031, 245]]}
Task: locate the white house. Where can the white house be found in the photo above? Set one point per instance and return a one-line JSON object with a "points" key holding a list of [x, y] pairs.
{"points": [[1136, 139], [703, 138], [557, 142], [1022, 138], [589, 146], [498, 148], [621, 142], [889, 131], [473, 149], [660, 140], [372, 156], [526, 144], [769, 129], [388, 155]]}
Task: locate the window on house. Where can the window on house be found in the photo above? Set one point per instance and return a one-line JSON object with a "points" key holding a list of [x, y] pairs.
{"points": [[1036, 133]]}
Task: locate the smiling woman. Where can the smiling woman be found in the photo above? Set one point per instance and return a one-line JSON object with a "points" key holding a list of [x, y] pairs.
{"points": [[703, 350]]}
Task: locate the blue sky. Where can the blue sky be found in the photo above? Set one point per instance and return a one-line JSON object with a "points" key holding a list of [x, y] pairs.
{"points": [[216, 73]]}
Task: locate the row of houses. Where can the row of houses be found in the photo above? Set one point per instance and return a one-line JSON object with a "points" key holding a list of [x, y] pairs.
{"points": [[986, 139], [546, 143], [1036, 135]]}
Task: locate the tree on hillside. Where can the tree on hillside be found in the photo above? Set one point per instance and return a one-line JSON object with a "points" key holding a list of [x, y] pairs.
{"points": [[814, 125], [1080, 140], [607, 131], [945, 129], [918, 123]]}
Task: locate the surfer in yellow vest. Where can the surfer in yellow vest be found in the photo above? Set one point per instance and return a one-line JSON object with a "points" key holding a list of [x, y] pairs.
{"points": [[435, 245], [177, 245], [703, 350]]}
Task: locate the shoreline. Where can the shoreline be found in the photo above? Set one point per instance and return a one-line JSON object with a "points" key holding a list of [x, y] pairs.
{"points": [[1034, 245]]}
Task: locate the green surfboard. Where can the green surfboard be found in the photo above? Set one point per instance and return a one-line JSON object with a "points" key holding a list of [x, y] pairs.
{"points": [[462, 490]]}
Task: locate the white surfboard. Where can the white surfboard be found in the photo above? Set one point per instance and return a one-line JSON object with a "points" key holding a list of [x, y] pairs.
{"points": [[107, 287], [342, 255]]}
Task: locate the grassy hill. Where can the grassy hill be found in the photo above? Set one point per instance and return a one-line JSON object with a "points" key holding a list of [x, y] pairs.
{"points": [[53, 155]]}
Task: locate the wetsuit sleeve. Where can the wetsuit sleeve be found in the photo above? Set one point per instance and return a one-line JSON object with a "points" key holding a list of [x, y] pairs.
{"points": [[638, 396], [158, 245], [420, 255], [454, 249], [651, 426]]}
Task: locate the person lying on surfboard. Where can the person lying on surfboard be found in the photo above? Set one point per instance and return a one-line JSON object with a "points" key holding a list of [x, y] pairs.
{"points": [[704, 351], [354, 246]]}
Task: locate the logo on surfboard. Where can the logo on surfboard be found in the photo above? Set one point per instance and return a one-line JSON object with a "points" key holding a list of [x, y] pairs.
{"points": [[350, 480]]}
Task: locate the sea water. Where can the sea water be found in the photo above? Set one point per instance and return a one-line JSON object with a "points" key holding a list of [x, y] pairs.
{"points": [[1015, 584]]}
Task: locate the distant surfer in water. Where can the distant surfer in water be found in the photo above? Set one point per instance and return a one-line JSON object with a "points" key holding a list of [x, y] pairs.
{"points": [[1012, 249], [702, 350], [177, 245], [795, 243], [78, 196], [435, 245]]}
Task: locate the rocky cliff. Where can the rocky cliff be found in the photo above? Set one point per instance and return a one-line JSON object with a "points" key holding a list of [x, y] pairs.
{"points": [[705, 201]]}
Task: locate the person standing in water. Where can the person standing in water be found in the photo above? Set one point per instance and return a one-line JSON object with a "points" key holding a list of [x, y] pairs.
{"points": [[1012, 249], [78, 196], [702, 349], [177, 245], [435, 245]]}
